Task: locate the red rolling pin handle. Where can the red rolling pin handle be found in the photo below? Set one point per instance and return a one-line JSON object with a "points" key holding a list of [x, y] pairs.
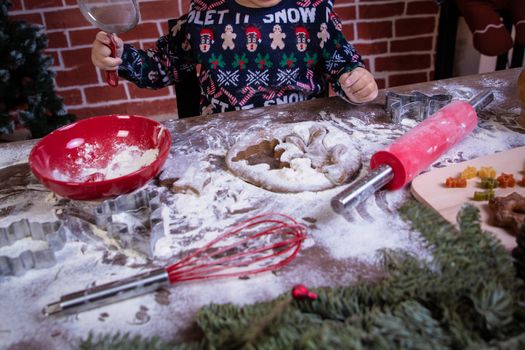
{"points": [[421, 146]]}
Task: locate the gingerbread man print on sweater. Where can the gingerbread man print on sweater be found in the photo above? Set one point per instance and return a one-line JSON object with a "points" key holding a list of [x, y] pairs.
{"points": [[176, 28], [323, 35], [277, 37], [228, 37]]}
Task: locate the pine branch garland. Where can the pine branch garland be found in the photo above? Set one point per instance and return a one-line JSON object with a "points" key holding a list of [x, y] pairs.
{"points": [[120, 341], [467, 296]]}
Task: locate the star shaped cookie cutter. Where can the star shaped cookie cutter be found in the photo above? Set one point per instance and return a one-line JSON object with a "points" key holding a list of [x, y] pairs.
{"points": [[53, 233], [135, 220], [415, 105]]}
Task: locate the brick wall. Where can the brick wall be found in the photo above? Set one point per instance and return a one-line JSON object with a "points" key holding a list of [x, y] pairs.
{"points": [[396, 37]]}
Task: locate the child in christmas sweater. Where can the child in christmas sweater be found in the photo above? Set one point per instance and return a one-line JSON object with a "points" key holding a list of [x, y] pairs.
{"points": [[252, 53]]}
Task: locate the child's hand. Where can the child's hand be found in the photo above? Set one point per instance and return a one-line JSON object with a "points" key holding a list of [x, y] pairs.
{"points": [[359, 85], [101, 53]]}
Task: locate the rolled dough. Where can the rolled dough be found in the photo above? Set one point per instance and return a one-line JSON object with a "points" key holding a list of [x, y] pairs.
{"points": [[306, 156]]}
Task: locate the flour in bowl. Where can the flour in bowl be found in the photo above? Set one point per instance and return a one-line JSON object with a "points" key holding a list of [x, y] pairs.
{"points": [[125, 160]]}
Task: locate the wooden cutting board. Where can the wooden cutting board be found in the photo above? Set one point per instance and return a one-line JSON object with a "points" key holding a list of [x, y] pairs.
{"points": [[429, 188]]}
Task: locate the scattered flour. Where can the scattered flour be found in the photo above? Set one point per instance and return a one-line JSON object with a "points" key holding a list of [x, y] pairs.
{"points": [[39, 205], [21, 246], [223, 198], [207, 199], [15, 152]]}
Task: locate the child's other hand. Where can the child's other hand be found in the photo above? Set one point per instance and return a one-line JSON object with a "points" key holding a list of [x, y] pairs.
{"points": [[101, 53], [359, 85]]}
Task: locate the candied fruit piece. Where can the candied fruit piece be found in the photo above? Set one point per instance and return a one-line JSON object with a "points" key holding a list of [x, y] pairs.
{"points": [[470, 172], [489, 183], [506, 180], [486, 171], [455, 182], [483, 195]]}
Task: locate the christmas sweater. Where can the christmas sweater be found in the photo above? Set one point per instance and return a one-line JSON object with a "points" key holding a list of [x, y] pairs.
{"points": [[248, 57]]}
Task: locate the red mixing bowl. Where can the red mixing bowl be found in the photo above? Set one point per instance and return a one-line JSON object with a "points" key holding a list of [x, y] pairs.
{"points": [[101, 156]]}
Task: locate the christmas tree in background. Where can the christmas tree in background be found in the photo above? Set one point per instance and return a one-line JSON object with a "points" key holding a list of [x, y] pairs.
{"points": [[27, 91]]}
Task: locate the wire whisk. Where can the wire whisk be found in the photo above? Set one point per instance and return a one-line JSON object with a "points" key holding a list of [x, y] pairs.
{"points": [[264, 238], [263, 243]]}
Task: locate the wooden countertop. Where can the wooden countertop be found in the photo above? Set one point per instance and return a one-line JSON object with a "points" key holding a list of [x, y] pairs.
{"points": [[340, 249]]}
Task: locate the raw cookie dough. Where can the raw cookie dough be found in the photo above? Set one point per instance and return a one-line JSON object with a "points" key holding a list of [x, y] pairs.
{"points": [[307, 156]]}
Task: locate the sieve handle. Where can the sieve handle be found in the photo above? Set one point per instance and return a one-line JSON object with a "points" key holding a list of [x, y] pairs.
{"points": [[112, 78], [112, 75]]}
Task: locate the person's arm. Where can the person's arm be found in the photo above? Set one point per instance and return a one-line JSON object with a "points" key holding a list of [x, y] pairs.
{"points": [[164, 65], [350, 79]]}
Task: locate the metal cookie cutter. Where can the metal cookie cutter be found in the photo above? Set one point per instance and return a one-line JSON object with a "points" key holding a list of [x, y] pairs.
{"points": [[54, 233], [415, 105], [135, 220]]}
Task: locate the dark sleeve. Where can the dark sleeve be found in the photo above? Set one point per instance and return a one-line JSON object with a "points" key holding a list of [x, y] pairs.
{"points": [[164, 65], [340, 56]]}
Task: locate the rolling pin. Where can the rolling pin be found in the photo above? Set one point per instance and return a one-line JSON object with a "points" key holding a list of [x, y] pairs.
{"points": [[396, 165]]}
